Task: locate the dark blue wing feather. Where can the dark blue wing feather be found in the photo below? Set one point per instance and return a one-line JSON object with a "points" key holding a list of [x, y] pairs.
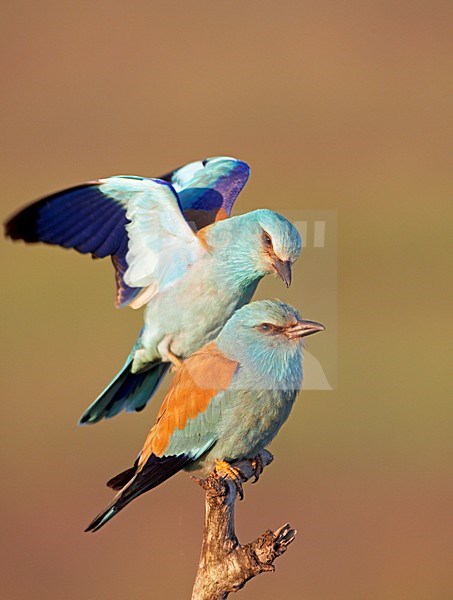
{"points": [[209, 185], [81, 217]]}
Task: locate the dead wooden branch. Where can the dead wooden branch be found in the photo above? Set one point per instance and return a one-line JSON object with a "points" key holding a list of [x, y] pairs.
{"points": [[225, 565]]}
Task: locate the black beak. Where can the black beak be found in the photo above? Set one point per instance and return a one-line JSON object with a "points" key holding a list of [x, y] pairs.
{"points": [[283, 269], [303, 328]]}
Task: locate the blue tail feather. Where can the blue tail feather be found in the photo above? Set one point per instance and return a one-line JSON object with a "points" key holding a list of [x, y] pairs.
{"points": [[128, 391]]}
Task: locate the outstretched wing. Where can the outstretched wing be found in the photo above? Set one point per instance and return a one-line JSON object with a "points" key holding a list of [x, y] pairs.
{"points": [[92, 217]]}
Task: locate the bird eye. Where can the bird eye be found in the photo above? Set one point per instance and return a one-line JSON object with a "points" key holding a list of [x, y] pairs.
{"points": [[267, 239], [266, 327]]}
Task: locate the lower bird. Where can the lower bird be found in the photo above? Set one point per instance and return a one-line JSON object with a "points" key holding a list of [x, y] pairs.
{"points": [[226, 403]]}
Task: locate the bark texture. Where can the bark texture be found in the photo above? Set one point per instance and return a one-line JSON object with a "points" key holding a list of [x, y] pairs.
{"points": [[225, 565]]}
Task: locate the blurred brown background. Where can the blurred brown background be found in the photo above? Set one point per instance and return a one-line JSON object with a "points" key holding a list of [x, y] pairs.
{"points": [[339, 106]]}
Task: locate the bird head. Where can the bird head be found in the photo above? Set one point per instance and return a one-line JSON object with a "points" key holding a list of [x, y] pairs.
{"points": [[267, 334], [275, 243], [271, 321]]}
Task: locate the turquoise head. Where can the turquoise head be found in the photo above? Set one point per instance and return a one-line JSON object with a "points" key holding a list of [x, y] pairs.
{"points": [[259, 243], [267, 337], [276, 243]]}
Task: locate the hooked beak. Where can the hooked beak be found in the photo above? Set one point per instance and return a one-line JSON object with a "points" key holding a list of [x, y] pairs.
{"points": [[283, 269], [303, 328]]}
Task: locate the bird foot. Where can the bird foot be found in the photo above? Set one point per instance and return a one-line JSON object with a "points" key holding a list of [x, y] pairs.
{"points": [[258, 464], [225, 470], [175, 360], [240, 472], [163, 347]]}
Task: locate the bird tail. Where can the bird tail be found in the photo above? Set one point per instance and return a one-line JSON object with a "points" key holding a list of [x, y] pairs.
{"points": [[156, 471], [128, 391]]}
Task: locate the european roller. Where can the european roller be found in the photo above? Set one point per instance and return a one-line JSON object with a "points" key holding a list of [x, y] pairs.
{"points": [[174, 251], [227, 402]]}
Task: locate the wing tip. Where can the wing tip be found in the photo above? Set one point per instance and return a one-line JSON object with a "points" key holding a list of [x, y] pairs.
{"points": [[22, 225], [101, 520], [87, 419]]}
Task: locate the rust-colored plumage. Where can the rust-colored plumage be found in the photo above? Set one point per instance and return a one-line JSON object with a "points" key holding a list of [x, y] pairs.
{"points": [[201, 218], [196, 382]]}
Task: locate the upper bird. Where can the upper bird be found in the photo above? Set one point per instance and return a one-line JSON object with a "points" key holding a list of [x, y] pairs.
{"points": [[175, 251], [226, 403]]}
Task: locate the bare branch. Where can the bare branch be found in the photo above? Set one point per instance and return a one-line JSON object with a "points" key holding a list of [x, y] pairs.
{"points": [[225, 565]]}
